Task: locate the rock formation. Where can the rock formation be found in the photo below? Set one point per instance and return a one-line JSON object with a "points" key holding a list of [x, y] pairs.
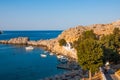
{"points": [[73, 34], [19, 40], [69, 35]]}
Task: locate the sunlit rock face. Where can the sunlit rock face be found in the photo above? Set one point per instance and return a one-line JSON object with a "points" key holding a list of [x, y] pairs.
{"points": [[74, 33]]}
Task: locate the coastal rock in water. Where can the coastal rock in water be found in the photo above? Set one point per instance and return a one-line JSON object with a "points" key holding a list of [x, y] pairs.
{"points": [[33, 43], [4, 41], [19, 40]]}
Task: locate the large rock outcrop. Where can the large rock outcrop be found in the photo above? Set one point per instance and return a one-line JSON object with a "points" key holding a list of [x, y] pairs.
{"points": [[19, 40], [73, 34]]}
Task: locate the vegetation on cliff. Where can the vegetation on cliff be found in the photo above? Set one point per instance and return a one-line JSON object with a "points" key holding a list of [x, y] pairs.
{"points": [[88, 35], [62, 42], [111, 45], [93, 52], [89, 52]]}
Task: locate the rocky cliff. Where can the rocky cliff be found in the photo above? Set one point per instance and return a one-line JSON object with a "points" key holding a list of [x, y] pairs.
{"points": [[69, 35], [73, 34]]}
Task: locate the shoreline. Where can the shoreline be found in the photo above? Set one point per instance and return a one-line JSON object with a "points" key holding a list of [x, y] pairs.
{"points": [[44, 44]]}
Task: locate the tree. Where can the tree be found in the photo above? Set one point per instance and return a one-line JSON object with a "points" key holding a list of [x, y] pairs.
{"points": [[111, 45], [88, 34], [90, 53], [85, 35], [62, 42], [116, 31], [110, 55]]}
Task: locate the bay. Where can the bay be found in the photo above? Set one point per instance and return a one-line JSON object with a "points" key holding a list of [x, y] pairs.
{"points": [[18, 64]]}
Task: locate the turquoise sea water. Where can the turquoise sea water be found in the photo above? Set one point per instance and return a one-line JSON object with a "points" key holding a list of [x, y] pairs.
{"points": [[18, 64]]}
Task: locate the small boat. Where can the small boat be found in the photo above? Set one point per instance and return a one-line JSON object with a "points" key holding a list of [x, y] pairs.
{"points": [[59, 56], [63, 60], [29, 48], [43, 55]]}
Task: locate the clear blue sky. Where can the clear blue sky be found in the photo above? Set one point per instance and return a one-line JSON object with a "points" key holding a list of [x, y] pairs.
{"points": [[56, 14]]}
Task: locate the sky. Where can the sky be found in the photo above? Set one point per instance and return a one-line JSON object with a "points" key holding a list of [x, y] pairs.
{"points": [[56, 14]]}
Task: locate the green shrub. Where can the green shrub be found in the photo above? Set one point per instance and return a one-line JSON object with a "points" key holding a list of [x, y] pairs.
{"points": [[62, 42]]}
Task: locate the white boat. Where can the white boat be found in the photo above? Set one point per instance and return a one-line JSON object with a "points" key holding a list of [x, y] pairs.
{"points": [[59, 56], [43, 55], [29, 48], [62, 59]]}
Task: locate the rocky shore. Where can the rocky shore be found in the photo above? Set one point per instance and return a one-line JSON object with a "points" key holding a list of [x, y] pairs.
{"points": [[69, 35], [49, 45]]}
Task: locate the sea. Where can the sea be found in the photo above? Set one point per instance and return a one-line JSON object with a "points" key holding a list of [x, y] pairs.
{"points": [[18, 64]]}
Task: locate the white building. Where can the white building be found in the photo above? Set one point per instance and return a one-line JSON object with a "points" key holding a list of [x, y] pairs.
{"points": [[69, 47]]}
